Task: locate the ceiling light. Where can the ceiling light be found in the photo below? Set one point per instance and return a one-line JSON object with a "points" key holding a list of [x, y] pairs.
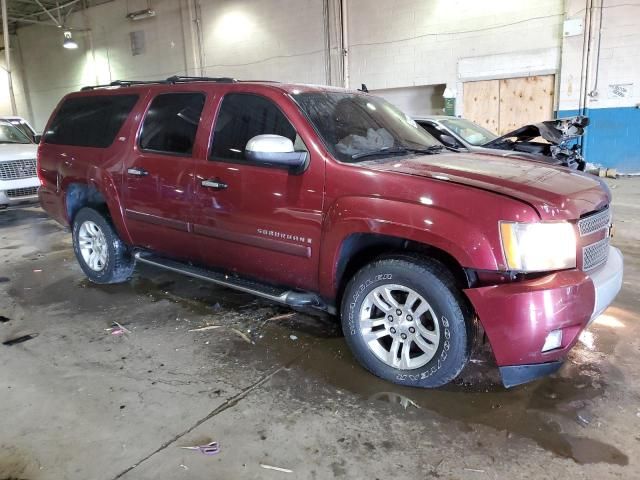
{"points": [[141, 14], [69, 42]]}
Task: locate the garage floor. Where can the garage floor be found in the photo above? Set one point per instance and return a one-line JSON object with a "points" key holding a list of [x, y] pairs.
{"points": [[77, 402]]}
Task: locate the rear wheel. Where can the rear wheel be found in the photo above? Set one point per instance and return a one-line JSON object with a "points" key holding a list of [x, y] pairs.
{"points": [[103, 256], [406, 321]]}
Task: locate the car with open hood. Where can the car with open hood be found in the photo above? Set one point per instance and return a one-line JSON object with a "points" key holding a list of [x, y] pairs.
{"points": [[552, 142], [324, 198]]}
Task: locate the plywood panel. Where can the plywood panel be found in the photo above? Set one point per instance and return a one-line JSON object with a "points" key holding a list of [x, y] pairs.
{"points": [[525, 100], [481, 103]]}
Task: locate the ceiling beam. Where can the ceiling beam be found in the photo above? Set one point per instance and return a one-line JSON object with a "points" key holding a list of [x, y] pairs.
{"points": [[55, 20]]}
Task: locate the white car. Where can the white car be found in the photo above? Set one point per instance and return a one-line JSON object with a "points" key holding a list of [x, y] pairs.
{"points": [[18, 178]]}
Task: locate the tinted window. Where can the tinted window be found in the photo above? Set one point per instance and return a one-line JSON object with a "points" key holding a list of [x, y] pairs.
{"points": [[242, 117], [171, 123], [90, 121], [11, 134], [471, 132]]}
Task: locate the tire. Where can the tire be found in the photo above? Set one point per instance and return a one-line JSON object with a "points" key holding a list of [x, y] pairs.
{"points": [[111, 260], [446, 327]]}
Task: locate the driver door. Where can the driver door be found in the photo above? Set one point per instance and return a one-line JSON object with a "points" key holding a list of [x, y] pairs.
{"points": [[260, 221]]}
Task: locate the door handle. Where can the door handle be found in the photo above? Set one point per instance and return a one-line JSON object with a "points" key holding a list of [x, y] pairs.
{"points": [[215, 184], [138, 172]]}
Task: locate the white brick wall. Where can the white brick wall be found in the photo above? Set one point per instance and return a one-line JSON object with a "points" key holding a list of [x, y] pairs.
{"points": [[619, 55], [393, 44], [416, 42]]}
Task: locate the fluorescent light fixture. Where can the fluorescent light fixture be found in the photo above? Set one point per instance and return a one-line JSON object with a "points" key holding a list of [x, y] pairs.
{"points": [[69, 43], [141, 14]]}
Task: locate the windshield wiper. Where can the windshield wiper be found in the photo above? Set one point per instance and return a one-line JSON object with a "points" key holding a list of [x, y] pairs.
{"points": [[380, 151], [429, 150], [399, 151]]}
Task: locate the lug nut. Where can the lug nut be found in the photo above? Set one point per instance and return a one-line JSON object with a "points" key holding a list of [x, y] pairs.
{"points": [[398, 312], [409, 318], [412, 330], [392, 330], [390, 318], [404, 336]]}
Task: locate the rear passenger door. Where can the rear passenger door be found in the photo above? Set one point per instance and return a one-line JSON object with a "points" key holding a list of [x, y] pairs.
{"points": [[159, 174]]}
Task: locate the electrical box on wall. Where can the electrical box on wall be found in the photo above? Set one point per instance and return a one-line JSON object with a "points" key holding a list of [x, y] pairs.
{"points": [[137, 42], [572, 27]]}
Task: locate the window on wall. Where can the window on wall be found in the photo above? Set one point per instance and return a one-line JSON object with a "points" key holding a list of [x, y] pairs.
{"points": [[243, 116], [89, 121], [171, 123]]}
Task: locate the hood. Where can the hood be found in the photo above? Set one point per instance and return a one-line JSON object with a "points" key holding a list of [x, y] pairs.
{"points": [[556, 132], [556, 193], [17, 151]]}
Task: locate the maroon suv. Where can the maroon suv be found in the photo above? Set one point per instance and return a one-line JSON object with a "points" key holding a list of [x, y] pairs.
{"points": [[324, 198]]}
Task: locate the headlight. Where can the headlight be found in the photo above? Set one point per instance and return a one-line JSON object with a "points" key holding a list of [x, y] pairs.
{"points": [[538, 247]]}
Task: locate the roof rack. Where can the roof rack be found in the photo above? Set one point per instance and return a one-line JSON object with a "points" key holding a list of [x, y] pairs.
{"points": [[169, 81]]}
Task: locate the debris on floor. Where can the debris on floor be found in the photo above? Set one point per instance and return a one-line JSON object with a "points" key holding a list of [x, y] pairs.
{"points": [[293, 337], [4, 279], [277, 469], [217, 307], [21, 339], [116, 329], [4, 319], [211, 448], [242, 335], [279, 317], [584, 418], [204, 329]]}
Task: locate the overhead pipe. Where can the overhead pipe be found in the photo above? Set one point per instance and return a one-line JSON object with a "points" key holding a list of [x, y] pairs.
{"points": [[7, 56], [344, 21]]}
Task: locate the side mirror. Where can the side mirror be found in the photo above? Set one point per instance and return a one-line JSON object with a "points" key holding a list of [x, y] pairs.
{"points": [[37, 138], [276, 151], [449, 141]]}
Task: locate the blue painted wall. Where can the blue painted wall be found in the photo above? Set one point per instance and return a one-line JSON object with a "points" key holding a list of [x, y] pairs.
{"points": [[612, 138]]}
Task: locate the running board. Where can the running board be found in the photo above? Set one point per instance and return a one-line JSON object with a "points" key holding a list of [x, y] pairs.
{"points": [[275, 294]]}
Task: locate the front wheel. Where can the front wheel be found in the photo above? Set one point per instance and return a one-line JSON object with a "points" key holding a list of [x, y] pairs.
{"points": [[102, 255], [406, 321]]}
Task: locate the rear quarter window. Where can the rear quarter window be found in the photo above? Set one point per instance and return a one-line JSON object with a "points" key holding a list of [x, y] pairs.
{"points": [[89, 121]]}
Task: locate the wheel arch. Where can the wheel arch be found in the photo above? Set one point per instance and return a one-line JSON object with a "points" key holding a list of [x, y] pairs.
{"points": [[359, 249], [100, 193]]}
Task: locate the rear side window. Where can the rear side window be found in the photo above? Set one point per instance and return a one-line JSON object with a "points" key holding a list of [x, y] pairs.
{"points": [[90, 121], [243, 116], [171, 123]]}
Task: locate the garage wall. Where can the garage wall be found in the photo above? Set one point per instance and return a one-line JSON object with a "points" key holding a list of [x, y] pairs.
{"points": [[610, 86], [277, 40], [395, 47], [417, 42], [21, 97], [245, 39]]}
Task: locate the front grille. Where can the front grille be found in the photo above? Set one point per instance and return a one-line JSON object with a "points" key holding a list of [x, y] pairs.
{"points": [[594, 223], [22, 192], [16, 169], [595, 254]]}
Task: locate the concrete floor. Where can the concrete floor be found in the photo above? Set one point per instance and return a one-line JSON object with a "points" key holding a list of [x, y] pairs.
{"points": [[79, 403]]}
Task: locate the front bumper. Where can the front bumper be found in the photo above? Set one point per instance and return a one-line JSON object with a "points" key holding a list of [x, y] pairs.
{"points": [[517, 317], [6, 186]]}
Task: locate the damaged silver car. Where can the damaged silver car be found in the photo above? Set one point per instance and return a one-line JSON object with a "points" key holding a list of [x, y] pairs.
{"points": [[552, 141]]}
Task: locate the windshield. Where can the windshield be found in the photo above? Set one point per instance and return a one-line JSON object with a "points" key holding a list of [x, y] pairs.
{"points": [[469, 131], [10, 134], [355, 127]]}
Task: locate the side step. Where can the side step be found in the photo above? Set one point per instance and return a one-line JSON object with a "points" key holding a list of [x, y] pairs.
{"points": [[275, 294]]}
